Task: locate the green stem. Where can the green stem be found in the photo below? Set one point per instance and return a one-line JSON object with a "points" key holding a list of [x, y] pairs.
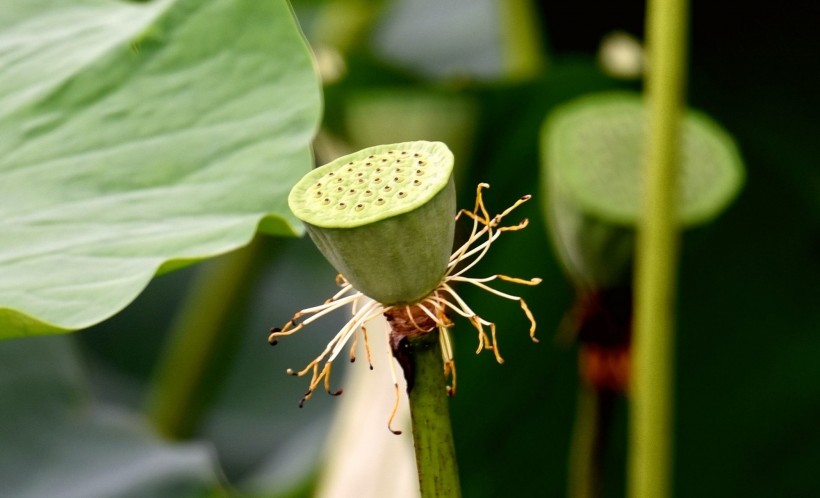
{"points": [[651, 411], [430, 413], [179, 387]]}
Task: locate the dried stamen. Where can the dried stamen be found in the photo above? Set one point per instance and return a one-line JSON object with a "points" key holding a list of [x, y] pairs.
{"points": [[424, 316]]}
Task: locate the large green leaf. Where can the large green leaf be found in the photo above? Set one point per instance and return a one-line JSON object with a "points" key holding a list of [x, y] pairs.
{"points": [[135, 138], [55, 442]]}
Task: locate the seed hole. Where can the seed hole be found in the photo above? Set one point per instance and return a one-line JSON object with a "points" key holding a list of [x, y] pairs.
{"points": [[318, 193], [368, 193], [340, 189], [384, 159], [419, 172], [360, 181], [352, 191], [359, 207], [319, 185], [360, 174], [378, 170], [350, 170], [331, 174], [402, 195], [379, 201], [341, 205], [387, 188], [416, 182], [403, 152], [417, 155], [377, 180], [368, 164], [325, 201], [339, 180]]}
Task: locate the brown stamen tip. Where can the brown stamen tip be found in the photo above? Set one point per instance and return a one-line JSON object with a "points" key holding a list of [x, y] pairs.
{"points": [[273, 342], [352, 359], [275, 329], [337, 393], [451, 392], [371, 367], [526, 197], [397, 433]]}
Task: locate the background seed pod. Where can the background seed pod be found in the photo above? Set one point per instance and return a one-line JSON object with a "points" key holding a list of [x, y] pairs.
{"points": [[593, 164], [384, 217]]}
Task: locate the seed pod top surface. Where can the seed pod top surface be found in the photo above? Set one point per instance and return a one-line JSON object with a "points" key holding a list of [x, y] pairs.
{"points": [[372, 184]]}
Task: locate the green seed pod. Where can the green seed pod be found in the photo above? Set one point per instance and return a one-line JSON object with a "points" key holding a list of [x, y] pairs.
{"points": [[593, 167], [384, 217]]}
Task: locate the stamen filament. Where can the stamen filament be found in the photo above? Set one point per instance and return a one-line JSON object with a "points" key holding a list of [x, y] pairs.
{"points": [[319, 311], [367, 347], [397, 392], [486, 287], [364, 314], [447, 359]]}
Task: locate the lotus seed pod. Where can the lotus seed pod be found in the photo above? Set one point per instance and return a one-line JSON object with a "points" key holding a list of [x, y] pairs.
{"points": [[593, 166], [384, 217]]}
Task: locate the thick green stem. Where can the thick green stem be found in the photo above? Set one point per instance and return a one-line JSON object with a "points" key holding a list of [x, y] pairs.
{"points": [[432, 433], [178, 389], [651, 411]]}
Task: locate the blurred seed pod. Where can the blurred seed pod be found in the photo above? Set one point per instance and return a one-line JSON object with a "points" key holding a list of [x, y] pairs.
{"points": [[592, 169]]}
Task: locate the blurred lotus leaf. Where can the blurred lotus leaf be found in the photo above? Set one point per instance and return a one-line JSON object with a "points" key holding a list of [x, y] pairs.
{"points": [[139, 137]]}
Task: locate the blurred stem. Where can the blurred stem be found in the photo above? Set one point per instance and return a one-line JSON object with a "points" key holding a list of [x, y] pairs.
{"points": [[520, 36], [590, 441], [178, 388], [430, 413], [651, 411], [345, 24], [582, 472]]}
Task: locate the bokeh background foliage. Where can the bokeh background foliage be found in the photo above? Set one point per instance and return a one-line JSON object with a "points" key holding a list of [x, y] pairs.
{"points": [[748, 329]]}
